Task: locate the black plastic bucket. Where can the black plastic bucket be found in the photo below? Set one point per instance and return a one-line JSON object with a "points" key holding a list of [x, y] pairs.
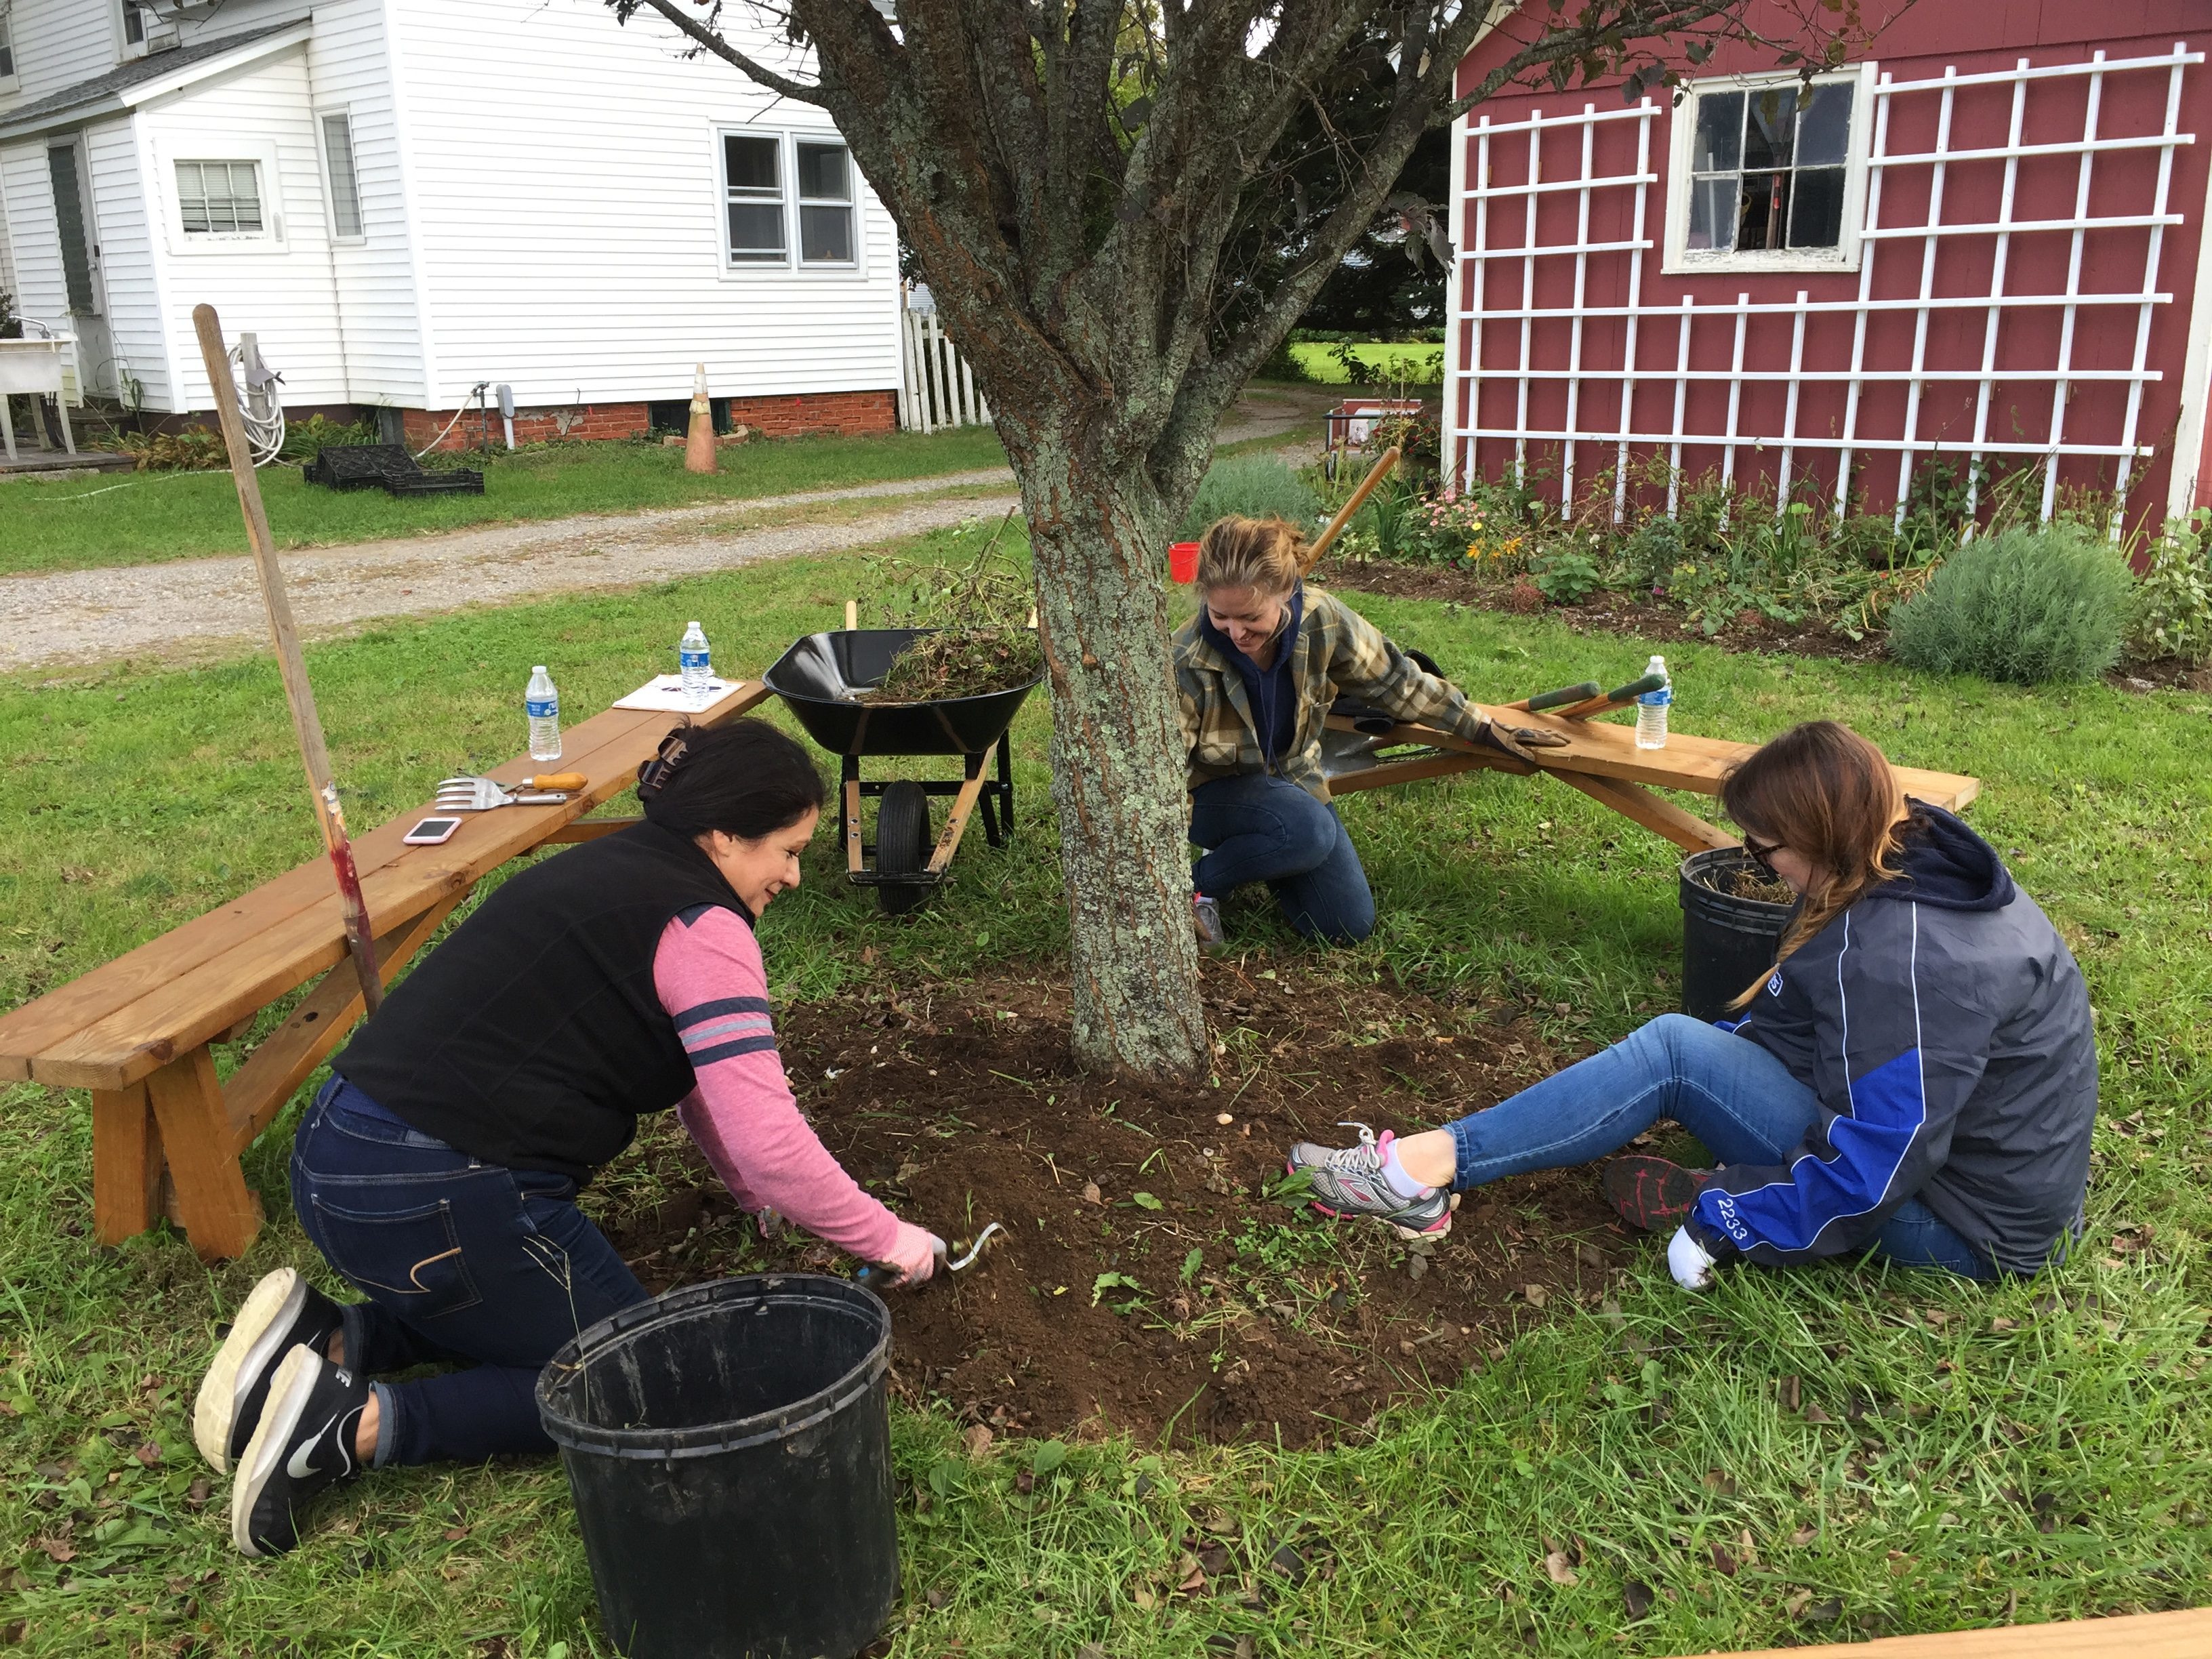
{"points": [[1727, 941], [729, 1451]]}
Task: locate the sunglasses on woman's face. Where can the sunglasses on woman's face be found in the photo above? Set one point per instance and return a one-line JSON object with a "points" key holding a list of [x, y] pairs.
{"points": [[1762, 851]]}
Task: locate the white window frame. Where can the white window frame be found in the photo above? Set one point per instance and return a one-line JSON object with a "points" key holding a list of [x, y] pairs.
{"points": [[13, 80], [341, 237], [1682, 259], [271, 238], [125, 48], [788, 140]]}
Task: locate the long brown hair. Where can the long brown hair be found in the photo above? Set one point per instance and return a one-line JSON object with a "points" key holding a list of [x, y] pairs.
{"points": [[1828, 795]]}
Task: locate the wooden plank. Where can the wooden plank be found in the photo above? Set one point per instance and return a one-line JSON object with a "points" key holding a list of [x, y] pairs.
{"points": [[2187, 1635], [1431, 736], [175, 1005], [1631, 800], [219, 1214], [257, 1090], [126, 1165], [1413, 769], [855, 853], [607, 748], [963, 805]]}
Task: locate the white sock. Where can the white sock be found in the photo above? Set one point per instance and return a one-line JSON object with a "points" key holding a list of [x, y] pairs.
{"points": [[1401, 1183]]}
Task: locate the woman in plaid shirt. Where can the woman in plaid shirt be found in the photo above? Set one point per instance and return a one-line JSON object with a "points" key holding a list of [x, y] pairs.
{"points": [[1256, 669]]}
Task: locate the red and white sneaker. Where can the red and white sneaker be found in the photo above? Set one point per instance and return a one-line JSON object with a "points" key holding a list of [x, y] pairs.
{"points": [[1348, 1180]]}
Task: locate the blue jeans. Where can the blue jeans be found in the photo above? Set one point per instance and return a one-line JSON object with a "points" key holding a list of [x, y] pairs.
{"points": [[461, 1260], [1734, 1095], [1259, 827]]}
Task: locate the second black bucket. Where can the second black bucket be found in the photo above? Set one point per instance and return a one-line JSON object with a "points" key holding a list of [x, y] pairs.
{"points": [[728, 1448], [1727, 941]]}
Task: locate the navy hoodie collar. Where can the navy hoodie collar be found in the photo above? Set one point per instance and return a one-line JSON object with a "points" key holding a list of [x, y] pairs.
{"points": [[1948, 865]]}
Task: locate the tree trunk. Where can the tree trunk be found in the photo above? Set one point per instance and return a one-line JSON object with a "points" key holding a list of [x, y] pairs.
{"points": [[1117, 756]]}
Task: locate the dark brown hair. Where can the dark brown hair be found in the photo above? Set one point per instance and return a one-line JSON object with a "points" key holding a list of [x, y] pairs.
{"points": [[1828, 795], [745, 779]]}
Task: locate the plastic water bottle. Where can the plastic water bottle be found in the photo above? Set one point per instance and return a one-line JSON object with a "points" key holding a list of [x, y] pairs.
{"points": [[697, 667], [542, 702], [1651, 708]]}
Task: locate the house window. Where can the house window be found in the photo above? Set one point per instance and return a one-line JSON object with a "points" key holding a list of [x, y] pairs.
{"points": [[134, 27], [1769, 173], [826, 204], [7, 50], [752, 172], [780, 189], [345, 182], [220, 198]]}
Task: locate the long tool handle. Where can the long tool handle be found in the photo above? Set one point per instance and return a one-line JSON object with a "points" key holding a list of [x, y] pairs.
{"points": [[1565, 694], [1619, 697], [1376, 474], [307, 724], [553, 781]]}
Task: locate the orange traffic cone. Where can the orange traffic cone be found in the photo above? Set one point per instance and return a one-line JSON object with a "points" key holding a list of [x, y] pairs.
{"points": [[699, 442]]}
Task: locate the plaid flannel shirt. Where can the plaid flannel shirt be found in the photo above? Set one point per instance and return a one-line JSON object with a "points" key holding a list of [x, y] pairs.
{"points": [[1337, 651]]}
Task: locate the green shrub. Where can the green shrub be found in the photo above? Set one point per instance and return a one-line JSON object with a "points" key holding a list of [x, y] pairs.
{"points": [[2025, 605], [305, 439], [2174, 599], [1252, 487], [1567, 577]]}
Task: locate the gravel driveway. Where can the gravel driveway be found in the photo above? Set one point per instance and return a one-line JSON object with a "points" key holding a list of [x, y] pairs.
{"points": [[201, 608]]}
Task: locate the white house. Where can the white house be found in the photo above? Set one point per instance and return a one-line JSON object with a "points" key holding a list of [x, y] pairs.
{"points": [[404, 199]]}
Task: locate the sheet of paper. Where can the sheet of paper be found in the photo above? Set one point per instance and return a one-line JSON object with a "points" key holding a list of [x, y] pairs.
{"points": [[665, 692]]}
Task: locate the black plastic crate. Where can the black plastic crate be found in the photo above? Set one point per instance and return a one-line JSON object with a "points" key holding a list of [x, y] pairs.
{"points": [[386, 467]]}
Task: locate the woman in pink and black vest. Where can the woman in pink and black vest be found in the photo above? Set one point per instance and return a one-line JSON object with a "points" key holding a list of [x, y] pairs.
{"points": [[438, 1169]]}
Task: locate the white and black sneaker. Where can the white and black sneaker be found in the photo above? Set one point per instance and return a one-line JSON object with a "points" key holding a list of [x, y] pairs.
{"points": [[282, 1312], [303, 1442]]}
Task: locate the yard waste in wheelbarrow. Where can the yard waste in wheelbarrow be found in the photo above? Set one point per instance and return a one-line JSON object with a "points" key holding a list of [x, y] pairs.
{"points": [[728, 1448], [1729, 937], [818, 679]]}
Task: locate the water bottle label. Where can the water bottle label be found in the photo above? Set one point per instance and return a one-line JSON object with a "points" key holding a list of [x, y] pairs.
{"points": [[542, 708], [689, 659], [1658, 699]]}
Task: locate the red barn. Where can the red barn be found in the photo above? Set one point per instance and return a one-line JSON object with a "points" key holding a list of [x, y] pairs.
{"points": [[1982, 244]]}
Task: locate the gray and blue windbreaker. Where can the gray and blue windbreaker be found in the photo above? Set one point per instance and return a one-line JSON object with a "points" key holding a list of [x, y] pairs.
{"points": [[1945, 1028]]}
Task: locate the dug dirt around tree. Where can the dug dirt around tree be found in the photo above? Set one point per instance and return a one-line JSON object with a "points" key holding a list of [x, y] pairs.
{"points": [[1153, 1277]]}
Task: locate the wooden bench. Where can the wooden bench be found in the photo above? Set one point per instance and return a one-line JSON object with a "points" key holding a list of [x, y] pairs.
{"points": [[136, 1031], [1598, 757], [2187, 1635]]}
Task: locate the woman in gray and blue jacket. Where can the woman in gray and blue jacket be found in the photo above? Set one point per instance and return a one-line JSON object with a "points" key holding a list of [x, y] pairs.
{"points": [[1916, 1076]]}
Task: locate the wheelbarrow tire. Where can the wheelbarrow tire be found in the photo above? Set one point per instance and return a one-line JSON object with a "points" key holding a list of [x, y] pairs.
{"points": [[903, 844]]}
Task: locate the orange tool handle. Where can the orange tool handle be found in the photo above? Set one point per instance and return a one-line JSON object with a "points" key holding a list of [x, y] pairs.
{"points": [[554, 781]]}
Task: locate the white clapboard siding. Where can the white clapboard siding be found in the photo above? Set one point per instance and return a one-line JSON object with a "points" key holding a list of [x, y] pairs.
{"points": [[568, 213], [126, 265], [58, 43], [29, 196], [283, 292]]}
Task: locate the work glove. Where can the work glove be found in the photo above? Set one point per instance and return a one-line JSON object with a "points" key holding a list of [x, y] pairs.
{"points": [[1690, 1262], [914, 1253]]}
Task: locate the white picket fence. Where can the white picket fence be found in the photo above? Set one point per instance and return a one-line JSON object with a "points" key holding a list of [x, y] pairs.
{"points": [[936, 386]]}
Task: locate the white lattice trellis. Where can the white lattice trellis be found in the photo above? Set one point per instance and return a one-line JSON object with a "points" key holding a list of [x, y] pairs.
{"points": [[1480, 326]]}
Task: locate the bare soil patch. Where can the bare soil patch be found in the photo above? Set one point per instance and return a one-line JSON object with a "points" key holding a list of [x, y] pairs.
{"points": [[1151, 1278]]}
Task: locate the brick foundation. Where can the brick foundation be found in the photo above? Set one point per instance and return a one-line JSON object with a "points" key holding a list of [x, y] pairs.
{"points": [[845, 413]]}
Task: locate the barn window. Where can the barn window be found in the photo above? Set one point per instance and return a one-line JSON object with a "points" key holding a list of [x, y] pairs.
{"points": [[1769, 174], [784, 189], [345, 181], [220, 198]]}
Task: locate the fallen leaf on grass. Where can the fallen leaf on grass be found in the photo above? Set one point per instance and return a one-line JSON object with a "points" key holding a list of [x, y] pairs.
{"points": [[1536, 1294], [1720, 1483], [149, 1454], [1792, 1606], [977, 1440], [1804, 1535], [1557, 1569], [1144, 1599], [1090, 1650], [1814, 1414], [1091, 1193], [1636, 1598], [58, 1549], [1791, 1392], [1723, 1563], [196, 1494], [1193, 1575], [454, 1534]]}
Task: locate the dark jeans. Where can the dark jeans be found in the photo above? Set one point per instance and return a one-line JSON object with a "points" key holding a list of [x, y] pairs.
{"points": [[461, 1260], [1735, 1096], [1259, 827]]}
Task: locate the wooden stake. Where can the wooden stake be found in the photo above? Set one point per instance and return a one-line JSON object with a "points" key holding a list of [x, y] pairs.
{"points": [[1376, 474], [307, 724], [699, 437]]}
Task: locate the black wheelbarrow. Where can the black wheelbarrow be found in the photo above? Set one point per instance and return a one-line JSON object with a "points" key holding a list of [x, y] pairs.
{"points": [[818, 679]]}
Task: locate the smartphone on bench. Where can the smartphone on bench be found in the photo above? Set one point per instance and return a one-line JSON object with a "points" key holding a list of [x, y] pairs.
{"points": [[431, 832]]}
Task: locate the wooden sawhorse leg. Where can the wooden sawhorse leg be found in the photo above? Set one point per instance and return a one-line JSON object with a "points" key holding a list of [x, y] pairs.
{"points": [[126, 1164], [220, 1215]]}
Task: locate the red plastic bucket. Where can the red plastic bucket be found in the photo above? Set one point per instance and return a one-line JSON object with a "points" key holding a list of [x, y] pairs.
{"points": [[1182, 561]]}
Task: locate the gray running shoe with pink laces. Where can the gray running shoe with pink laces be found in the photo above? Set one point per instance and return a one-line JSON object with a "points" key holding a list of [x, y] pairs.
{"points": [[1348, 1180]]}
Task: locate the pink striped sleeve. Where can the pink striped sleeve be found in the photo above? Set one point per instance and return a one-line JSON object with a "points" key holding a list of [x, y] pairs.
{"points": [[709, 976]]}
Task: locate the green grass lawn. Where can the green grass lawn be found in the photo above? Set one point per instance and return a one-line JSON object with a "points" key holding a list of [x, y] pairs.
{"points": [[1318, 360], [2040, 1451], [75, 524]]}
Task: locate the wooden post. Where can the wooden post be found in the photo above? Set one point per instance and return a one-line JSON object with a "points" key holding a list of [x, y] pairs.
{"points": [[699, 438], [1376, 474], [307, 724]]}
